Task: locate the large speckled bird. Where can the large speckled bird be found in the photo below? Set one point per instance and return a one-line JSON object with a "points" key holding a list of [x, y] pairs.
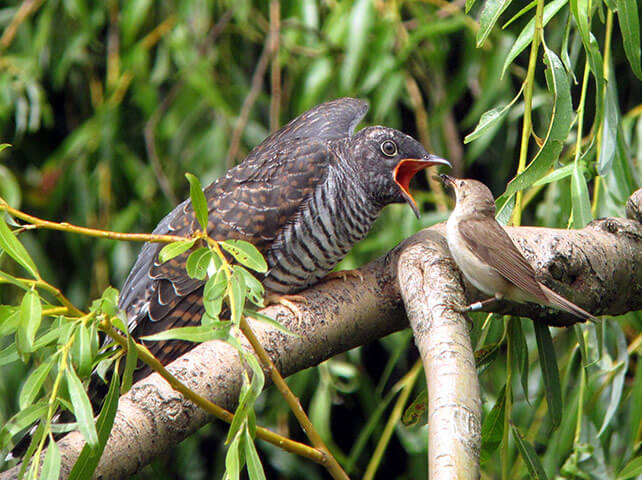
{"points": [[303, 197]]}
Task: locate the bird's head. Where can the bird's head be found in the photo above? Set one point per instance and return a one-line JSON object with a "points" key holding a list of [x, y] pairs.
{"points": [[471, 194], [388, 159]]}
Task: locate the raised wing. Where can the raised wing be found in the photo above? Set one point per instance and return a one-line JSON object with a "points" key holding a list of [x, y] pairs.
{"points": [[496, 248], [252, 202]]}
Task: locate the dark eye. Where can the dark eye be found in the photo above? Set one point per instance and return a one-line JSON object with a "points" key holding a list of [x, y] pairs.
{"points": [[389, 148]]}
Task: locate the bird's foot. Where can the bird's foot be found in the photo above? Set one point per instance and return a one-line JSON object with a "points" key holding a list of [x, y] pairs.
{"points": [[474, 307], [289, 302], [344, 275]]}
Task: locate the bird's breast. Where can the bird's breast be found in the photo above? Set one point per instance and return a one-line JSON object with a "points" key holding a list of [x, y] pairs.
{"points": [[331, 221], [479, 273]]}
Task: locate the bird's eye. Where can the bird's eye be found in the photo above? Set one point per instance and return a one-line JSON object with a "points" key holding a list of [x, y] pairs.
{"points": [[389, 148]]}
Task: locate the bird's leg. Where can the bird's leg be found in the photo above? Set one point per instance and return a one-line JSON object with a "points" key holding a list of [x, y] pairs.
{"points": [[288, 301], [473, 307], [344, 274]]}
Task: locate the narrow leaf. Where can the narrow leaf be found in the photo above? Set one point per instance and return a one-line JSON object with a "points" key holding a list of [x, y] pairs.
{"points": [[30, 318], [246, 254], [198, 200], [254, 466], [52, 462], [88, 459], [233, 460], [580, 199], [82, 407], [493, 427], [558, 128], [629, 19], [529, 455], [550, 372], [236, 293], [198, 263], [174, 249], [10, 244], [34, 382], [631, 469], [489, 15], [131, 360], [20, 421], [200, 333]]}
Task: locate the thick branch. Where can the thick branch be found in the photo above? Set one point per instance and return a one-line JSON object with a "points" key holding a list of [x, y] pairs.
{"points": [[593, 267], [429, 287]]}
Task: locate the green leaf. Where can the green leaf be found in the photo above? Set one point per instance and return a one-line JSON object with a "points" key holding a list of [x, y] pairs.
{"points": [[107, 303], [269, 321], [81, 407], [9, 354], [631, 469], [32, 386], [233, 459], [556, 175], [20, 421], [489, 15], [10, 244], [30, 318], [609, 131], [236, 294], [529, 455], [417, 412], [254, 466], [526, 36], [489, 119], [255, 290], [246, 254], [629, 18], [88, 459], [201, 333], [199, 203], [618, 377], [580, 199], [51, 465], [174, 249], [131, 360], [520, 350], [9, 319], [550, 372], [493, 427], [198, 263], [558, 128], [81, 351]]}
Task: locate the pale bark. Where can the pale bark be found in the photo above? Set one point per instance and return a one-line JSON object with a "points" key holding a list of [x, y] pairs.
{"points": [[599, 268]]}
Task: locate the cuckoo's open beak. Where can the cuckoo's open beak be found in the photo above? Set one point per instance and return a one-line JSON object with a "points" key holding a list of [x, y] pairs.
{"points": [[407, 168]]}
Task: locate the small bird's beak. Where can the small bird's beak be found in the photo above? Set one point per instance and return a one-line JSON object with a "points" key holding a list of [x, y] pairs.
{"points": [[407, 168], [447, 179]]}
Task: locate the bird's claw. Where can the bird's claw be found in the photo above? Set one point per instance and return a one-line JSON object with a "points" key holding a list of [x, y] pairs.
{"points": [[344, 274], [289, 302]]}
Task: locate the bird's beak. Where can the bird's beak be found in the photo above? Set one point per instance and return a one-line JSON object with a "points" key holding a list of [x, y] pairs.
{"points": [[407, 168], [447, 180]]}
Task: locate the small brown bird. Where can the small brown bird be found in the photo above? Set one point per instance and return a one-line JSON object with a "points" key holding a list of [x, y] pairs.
{"points": [[488, 257]]}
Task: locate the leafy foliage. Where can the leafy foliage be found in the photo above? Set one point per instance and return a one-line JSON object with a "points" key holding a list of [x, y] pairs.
{"points": [[107, 104]]}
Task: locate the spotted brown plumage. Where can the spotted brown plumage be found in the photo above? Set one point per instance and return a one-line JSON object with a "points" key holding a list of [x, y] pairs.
{"points": [[303, 197]]}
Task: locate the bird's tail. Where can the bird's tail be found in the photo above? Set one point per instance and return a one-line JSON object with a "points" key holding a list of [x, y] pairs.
{"points": [[560, 302]]}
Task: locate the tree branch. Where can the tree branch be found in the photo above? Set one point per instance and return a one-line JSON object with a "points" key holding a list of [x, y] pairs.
{"points": [[592, 266]]}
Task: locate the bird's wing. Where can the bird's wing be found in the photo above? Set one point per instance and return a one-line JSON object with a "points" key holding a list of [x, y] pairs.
{"points": [[335, 119], [253, 202], [492, 245]]}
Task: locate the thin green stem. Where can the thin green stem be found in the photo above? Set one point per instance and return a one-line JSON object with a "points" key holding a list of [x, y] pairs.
{"points": [[508, 400], [529, 82], [395, 415]]}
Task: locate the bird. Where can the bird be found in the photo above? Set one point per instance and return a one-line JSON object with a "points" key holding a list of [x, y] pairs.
{"points": [[487, 256], [303, 197]]}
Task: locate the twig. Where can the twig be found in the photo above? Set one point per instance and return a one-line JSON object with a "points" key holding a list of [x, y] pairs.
{"points": [[91, 232], [26, 8], [263, 433], [275, 27], [330, 462]]}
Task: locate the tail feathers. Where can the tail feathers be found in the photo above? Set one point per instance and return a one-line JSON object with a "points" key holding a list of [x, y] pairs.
{"points": [[560, 302]]}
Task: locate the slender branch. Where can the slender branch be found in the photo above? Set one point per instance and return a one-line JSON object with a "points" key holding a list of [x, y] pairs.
{"points": [[91, 232], [529, 83], [330, 462], [210, 407]]}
